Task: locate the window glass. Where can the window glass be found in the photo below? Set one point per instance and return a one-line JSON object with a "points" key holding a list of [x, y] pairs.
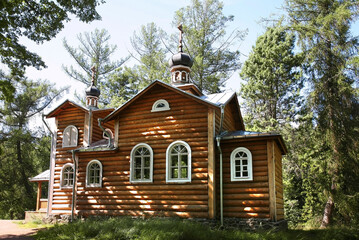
{"points": [[178, 162], [70, 136], [141, 163], [241, 165], [67, 176], [94, 174]]}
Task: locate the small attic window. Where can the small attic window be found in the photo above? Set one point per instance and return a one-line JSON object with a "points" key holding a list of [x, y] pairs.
{"points": [[160, 105]]}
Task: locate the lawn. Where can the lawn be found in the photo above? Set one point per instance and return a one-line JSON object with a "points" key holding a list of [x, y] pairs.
{"points": [[176, 229]]}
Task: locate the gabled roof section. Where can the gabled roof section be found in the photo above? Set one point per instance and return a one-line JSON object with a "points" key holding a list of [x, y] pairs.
{"points": [[44, 176], [219, 98], [63, 106], [247, 134], [169, 87]]}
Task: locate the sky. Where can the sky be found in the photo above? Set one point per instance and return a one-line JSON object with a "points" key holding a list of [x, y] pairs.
{"points": [[122, 17]]}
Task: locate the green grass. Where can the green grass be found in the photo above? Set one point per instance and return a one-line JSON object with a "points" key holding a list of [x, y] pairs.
{"points": [[33, 224], [175, 229]]}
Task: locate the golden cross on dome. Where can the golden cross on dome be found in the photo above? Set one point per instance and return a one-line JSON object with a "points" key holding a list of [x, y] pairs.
{"points": [[180, 38]]}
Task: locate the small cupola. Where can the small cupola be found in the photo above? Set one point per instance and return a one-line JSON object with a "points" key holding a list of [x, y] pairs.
{"points": [[180, 64], [92, 92]]}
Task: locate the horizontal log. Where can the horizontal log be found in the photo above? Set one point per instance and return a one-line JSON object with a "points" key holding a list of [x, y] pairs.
{"points": [[245, 215], [180, 208], [246, 196], [245, 190], [104, 201], [246, 209], [246, 203], [119, 194], [143, 213]]}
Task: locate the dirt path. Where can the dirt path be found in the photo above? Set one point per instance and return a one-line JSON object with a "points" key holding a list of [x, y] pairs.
{"points": [[10, 230]]}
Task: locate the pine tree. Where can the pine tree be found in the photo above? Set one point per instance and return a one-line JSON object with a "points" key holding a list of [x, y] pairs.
{"points": [[271, 91], [323, 27], [151, 56], [214, 51], [24, 151], [94, 50]]}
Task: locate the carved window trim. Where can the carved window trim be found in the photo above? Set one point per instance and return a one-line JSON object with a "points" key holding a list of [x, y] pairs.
{"points": [[135, 154], [66, 180], [241, 165], [172, 153], [70, 136], [160, 105], [91, 177]]}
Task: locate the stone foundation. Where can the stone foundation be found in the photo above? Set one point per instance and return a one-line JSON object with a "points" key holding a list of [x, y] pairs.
{"points": [[34, 216]]}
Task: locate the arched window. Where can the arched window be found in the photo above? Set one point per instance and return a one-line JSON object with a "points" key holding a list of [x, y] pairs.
{"points": [[67, 176], [141, 163], [160, 105], [178, 162], [94, 174], [241, 165], [70, 136]]}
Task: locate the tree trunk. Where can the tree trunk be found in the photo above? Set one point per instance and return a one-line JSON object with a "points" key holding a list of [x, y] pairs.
{"points": [[328, 212]]}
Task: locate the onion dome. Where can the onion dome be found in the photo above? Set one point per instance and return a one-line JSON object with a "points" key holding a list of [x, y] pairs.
{"points": [[180, 59], [93, 91], [180, 64]]}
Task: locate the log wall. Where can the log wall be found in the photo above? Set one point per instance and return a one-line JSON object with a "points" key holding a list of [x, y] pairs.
{"points": [[97, 133], [61, 202], [245, 199], [279, 183], [187, 121]]}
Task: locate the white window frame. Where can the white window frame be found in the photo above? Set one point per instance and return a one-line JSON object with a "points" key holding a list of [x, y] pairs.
{"points": [[189, 163], [155, 107], [69, 128], [62, 175], [132, 162], [88, 184], [249, 165]]}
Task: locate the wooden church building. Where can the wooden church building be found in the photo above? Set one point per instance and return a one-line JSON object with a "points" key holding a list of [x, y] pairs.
{"points": [[169, 151]]}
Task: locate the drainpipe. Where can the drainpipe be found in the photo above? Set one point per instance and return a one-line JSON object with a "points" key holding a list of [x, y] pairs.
{"points": [[51, 167], [218, 138], [106, 133], [73, 185]]}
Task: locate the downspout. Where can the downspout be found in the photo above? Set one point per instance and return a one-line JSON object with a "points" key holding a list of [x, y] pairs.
{"points": [[218, 138], [73, 185], [106, 133], [51, 149]]}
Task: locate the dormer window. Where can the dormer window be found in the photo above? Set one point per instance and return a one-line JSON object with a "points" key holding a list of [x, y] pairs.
{"points": [[70, 136], [160, 105]]}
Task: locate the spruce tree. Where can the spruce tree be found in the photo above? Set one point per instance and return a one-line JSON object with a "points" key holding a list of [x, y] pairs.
{"points": [[323, 28]]}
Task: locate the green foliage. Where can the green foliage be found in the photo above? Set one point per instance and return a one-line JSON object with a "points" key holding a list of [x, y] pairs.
{"points": [[38, 21], [95, 50], [151, 55], [175, 229], [206, 40], [272, 76], [24, 152], [323, 29]]}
